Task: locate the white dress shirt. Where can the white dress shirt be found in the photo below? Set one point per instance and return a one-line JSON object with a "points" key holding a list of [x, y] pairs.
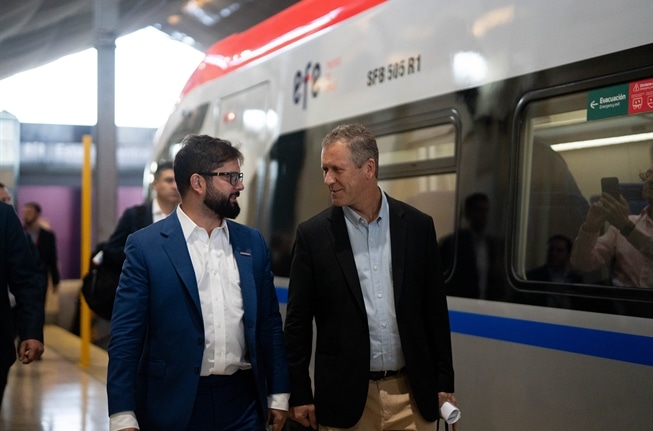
{"points": [[157, 212], [221, 299]]}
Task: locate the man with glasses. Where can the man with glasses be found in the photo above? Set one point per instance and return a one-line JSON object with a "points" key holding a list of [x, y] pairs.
{"points": [[196, 333], [628, 241]]}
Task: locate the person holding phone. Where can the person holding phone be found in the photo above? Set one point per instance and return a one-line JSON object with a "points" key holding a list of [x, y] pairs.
{"points": [[627, 242]]}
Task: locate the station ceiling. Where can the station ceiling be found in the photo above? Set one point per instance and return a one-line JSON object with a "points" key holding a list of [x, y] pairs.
{"points": [[36, 32]]}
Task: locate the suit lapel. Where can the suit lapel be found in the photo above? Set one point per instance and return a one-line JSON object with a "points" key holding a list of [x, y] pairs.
{"points": [[344, 254], [174, 245]]}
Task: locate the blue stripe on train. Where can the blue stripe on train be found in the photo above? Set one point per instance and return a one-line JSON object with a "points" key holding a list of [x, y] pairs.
{"points": [[636, 349], [282, 294], [603, 344]]}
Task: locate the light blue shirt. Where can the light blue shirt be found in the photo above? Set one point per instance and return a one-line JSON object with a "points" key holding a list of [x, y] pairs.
{"points": [[370, 244]]}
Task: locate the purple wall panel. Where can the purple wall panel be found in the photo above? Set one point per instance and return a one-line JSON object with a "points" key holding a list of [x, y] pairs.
{"points": [[61, 209]]}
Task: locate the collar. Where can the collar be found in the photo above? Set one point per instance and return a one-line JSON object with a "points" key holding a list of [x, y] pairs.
{"points": [[188, 226], [356, 219]]}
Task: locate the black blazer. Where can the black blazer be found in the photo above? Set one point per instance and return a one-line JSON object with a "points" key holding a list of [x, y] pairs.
{"points": [[324, 284], [18, 270], [133, 219], [47, 248]]}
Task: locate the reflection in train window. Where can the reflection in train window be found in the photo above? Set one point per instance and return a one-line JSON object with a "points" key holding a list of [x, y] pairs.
{"points": [[415, 145], [418, 167], [566, 148], [432, 194]]}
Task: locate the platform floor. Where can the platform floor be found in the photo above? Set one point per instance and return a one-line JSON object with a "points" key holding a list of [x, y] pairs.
{"points": [[56, 393]]}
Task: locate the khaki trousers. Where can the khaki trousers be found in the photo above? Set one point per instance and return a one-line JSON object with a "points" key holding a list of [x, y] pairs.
{"points": [[390, 407]]}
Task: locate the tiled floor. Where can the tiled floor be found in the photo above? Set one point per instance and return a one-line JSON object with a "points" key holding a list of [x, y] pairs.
{"points": [[56, 393]]}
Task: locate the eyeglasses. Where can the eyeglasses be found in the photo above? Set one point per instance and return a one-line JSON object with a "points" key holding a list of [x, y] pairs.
{"points": [[234, 177]]}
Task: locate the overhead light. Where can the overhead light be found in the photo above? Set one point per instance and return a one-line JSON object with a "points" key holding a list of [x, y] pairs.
{"points": [[577, 145]]}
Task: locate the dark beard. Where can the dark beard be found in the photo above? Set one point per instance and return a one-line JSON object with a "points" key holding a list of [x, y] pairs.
{"points": [[221, 205]]}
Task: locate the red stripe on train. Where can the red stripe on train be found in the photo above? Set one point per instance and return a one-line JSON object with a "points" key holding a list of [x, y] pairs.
{"points": [[295, 23]]}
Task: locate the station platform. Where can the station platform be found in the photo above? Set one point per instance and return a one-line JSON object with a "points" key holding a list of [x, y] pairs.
{"points": [[57, 393]]}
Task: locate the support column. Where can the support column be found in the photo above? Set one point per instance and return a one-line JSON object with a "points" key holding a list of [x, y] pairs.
{"points": [[106, 169]]}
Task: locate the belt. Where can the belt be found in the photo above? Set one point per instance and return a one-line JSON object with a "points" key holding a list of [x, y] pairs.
{"points": [[380, 375]]}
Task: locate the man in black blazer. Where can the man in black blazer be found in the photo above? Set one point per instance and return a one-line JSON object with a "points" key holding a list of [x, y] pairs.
{"points": [[45, 241], [137, 217], [368, 271], [18, 271]]}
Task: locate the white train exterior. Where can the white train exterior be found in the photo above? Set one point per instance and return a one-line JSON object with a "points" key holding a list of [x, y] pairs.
{"points": [[465, 97]]}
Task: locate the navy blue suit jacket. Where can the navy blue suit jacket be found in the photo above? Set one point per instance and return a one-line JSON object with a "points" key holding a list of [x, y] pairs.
{"points": [[157, 332]]}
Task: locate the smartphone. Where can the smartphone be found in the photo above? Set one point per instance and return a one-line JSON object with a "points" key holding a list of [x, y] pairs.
{"points": [[610, 185]]}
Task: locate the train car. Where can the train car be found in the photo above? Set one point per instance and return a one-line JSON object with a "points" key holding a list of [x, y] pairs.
{"points": [[526, 104]]}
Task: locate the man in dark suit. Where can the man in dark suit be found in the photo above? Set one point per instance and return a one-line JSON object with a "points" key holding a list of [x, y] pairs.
{"points": [[137, 217], [45, 242], [18, 271], [368, 271], [557, 268], [196, 333], [478, 260]]}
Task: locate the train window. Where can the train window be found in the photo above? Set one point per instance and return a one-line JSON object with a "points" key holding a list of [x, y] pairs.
{"points": [[432, 194], [417, 145], [568, 144], [418, 167]]}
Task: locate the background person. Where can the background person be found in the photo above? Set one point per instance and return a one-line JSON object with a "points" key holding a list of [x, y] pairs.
{"points": [[196, 333], [557, 268], [45, 242], [5, 196], [479, 272], [367, 270], [111, 254], [134, 218], [627, 242]]}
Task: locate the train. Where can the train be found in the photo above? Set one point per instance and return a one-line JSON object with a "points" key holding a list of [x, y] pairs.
{"points": [[528, 104]]}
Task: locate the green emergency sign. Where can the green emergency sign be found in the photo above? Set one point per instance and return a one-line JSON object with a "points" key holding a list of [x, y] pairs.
{"points": [[607, 102]]}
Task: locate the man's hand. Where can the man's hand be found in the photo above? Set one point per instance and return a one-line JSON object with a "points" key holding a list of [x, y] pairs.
{"points": [[304, 415], [616, 211], [30, 350], [277, 418], [444, 397]]}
